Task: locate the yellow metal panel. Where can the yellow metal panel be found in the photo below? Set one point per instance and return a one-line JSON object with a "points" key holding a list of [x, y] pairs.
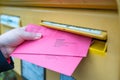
{"points": [[50, 75], [94, 66]]}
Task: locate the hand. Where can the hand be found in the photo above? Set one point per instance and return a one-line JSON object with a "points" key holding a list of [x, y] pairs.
{"points": [[11, 39]]}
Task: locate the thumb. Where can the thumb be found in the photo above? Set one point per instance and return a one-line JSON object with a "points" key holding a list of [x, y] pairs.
{"points": [[30, 35]]}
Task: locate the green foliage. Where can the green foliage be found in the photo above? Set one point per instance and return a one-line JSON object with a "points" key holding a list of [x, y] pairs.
{"points": [[8, 75]]}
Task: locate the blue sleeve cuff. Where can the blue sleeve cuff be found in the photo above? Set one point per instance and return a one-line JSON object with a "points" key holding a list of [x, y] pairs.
{"points": [[4, 65]]}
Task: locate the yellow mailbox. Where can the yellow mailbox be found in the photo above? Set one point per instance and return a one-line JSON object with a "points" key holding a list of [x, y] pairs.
{"points": [[103, 60]]}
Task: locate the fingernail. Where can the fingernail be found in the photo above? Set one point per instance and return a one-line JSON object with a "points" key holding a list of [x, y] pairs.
{"points": [[38, 35]]}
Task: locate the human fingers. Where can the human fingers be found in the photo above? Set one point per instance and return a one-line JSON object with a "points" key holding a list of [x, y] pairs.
{"points": [[30, 35]]}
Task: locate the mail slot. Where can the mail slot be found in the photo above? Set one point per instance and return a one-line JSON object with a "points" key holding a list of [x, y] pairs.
{"points": [[94, 33], [98, 46]]}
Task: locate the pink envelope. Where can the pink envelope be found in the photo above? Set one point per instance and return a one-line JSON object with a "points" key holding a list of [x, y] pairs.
{"points": [[61, 64], [54, 42], [56, 50]]}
